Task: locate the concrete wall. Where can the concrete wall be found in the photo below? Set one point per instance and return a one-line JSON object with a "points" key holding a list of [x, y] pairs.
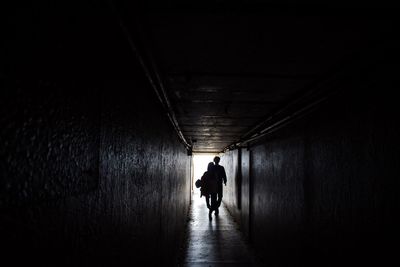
{"points": [[237, 190], [324, 190], [91, 171], [231, 193]]}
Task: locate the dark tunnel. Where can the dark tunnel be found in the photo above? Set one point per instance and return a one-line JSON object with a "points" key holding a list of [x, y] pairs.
{"points": [[104, 104]]}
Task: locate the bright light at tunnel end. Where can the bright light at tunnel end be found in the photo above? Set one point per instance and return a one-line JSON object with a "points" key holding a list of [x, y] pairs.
{"points": [[200, 163]]}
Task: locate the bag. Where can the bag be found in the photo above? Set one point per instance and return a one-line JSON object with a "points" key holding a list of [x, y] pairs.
{"points": [[198, 183]]}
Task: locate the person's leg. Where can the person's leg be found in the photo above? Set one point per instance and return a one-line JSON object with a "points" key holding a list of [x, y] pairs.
{"points": [[219, 198], [208, 201], [214, 203], [208, 206], [219, 194]]}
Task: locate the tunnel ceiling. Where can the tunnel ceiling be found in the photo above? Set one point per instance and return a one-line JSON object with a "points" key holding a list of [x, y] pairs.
{"points": [[225, 72]]}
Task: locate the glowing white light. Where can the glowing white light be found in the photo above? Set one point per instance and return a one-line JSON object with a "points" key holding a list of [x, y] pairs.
{"points": [[200, 163]]}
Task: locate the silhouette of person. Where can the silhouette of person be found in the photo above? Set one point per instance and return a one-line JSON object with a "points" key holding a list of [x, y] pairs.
{"points": [[209, 187], [221, 177]]}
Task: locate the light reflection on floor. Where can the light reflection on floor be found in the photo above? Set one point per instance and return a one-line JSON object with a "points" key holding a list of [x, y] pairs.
{"points": [[217, 242]]}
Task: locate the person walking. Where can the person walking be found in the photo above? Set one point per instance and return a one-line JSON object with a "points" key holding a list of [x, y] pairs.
{"points": [[209, 188], [221, 177]]}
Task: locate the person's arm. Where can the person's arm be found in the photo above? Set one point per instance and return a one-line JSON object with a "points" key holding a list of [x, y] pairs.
{"points": [[224, 175]]}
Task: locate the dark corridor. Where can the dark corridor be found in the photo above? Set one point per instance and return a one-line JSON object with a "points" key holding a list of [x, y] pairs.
{"points": [[104, 103]]}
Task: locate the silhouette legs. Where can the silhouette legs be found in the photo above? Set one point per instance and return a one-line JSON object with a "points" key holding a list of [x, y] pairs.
{"points": [[219, 200], [213, 206]]}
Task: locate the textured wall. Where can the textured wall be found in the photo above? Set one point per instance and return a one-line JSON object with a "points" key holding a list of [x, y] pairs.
{"points": [[230, 161], [237, 191], [245, 192], [146, 178], [278, 198], [325, 188], [91, 171]]}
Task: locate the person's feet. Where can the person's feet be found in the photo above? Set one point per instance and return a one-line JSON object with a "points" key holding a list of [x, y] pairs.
{"points": [[216, 211], [210, 214]]}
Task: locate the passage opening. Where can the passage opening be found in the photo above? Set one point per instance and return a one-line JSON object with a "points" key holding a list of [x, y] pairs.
{"points": [[200, 162]]}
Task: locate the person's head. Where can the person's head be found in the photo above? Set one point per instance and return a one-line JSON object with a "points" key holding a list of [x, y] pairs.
{"points": [[216, 160], [210, 166]]}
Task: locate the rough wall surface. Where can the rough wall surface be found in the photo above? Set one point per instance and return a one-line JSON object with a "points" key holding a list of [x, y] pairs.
{"points": [[91, 171], [325, 188], [230, 161], [245, 192], [278, 197], [237, 191], [146, 178]]}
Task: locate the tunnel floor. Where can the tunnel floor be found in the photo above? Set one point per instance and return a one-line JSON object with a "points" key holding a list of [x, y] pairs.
{"points": [[214, 243]]}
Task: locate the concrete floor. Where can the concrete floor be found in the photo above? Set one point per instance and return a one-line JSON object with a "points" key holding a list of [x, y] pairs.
{"points": [[214, 243]]}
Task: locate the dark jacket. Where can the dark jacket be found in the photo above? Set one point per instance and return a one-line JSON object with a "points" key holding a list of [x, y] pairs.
{"points": [[209, 183], [220, 173]]}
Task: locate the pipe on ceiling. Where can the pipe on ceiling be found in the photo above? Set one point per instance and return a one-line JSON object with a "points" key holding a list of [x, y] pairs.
{"points": [[323, 89], [154, 78]]}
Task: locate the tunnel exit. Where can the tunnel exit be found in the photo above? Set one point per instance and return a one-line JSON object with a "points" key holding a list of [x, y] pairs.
{"points": [[200, 162]]}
